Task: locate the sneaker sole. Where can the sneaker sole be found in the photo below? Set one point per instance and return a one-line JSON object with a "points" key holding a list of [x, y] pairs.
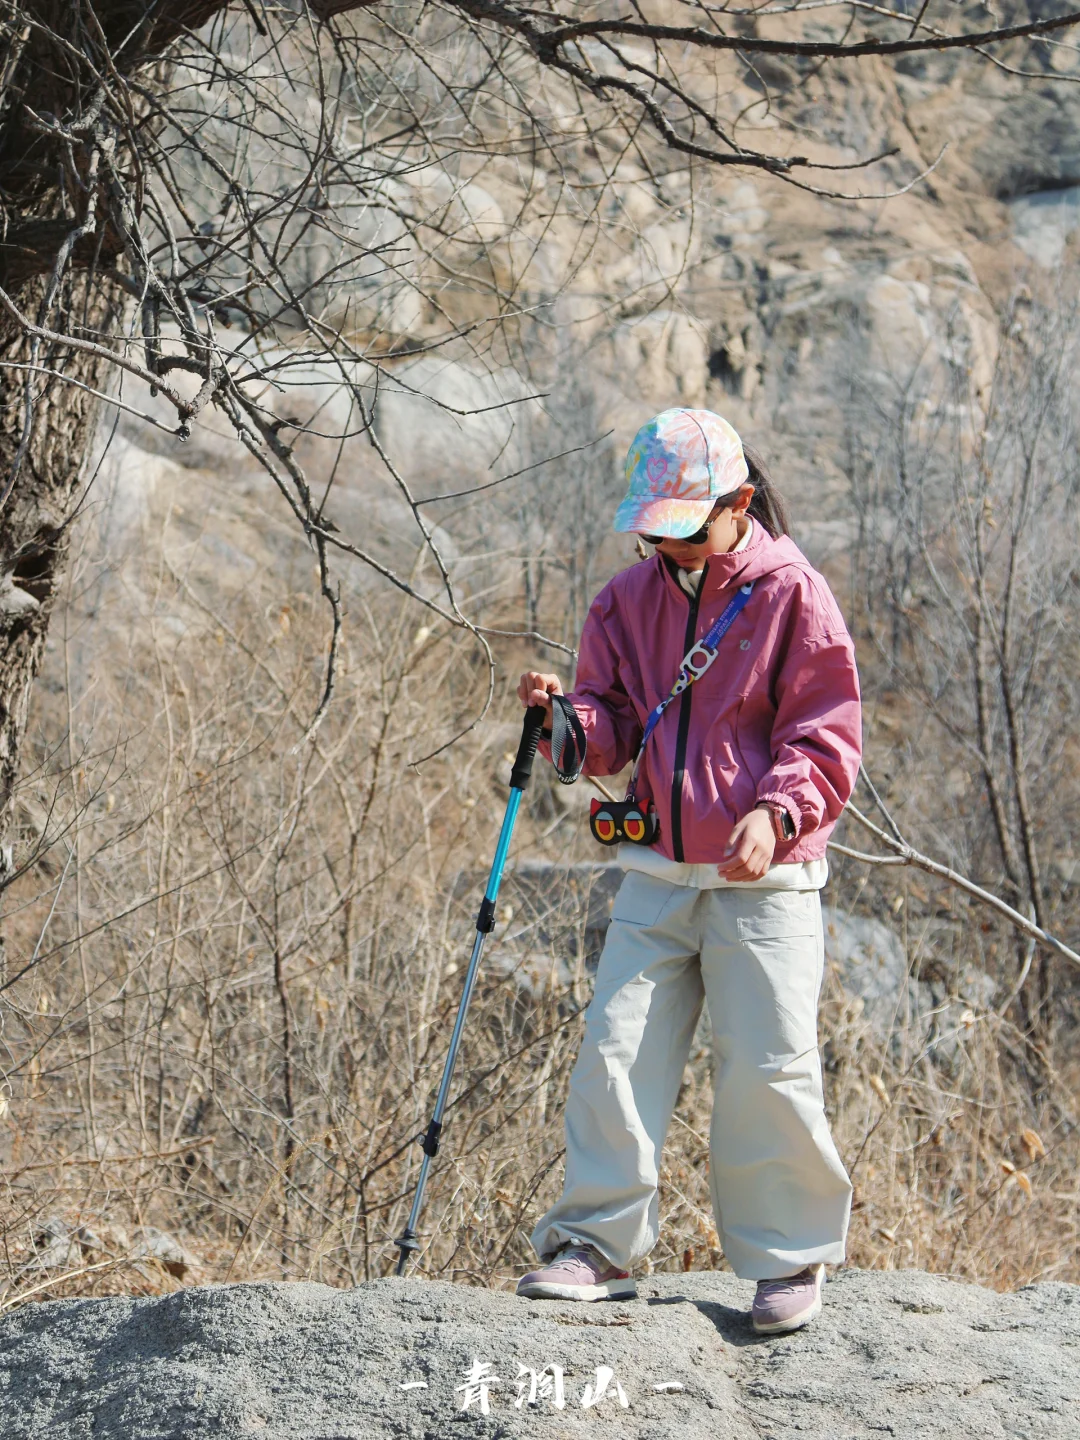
{"points": [[608, 1290], [796, 1322]]}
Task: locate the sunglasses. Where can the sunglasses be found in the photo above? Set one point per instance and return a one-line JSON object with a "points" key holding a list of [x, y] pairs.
{"points": [[697, 538]]}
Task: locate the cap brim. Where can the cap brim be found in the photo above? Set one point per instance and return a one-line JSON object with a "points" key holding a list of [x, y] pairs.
{"points": [[661, 515]]}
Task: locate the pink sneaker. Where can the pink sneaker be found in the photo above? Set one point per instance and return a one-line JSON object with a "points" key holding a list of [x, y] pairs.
{"points": [[788, 1304], [577, 1272]]}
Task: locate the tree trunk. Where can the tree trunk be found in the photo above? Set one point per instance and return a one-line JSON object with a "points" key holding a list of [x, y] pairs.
{"points": [[36, 529], [54, 114]]}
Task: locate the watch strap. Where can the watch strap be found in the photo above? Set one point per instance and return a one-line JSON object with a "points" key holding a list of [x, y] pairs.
{"points": [[783, 825]]}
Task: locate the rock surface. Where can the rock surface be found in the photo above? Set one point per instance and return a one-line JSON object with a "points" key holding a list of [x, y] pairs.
{"points": [[900, 1353]]}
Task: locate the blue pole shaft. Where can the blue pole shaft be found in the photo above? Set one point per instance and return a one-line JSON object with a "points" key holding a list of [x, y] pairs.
{"points": [[498, 865], [491, 894]]}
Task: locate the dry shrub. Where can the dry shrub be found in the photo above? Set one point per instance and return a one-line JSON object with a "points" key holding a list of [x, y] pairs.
{"points": [[233, 966]]}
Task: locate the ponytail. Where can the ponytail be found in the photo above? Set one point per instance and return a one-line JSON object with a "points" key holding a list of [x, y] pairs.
{"points": [[767, 507]]}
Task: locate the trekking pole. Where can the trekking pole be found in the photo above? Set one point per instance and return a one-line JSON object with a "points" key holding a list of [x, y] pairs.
{"points": [[485, 923]]}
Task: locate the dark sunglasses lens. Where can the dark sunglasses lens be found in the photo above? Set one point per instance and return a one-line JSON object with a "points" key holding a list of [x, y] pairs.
{"points": [[698, 538]]}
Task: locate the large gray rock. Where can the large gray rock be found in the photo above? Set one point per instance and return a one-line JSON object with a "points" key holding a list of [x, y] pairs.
{"points": [[1044, 222], [873, 968], [902, 1354]]}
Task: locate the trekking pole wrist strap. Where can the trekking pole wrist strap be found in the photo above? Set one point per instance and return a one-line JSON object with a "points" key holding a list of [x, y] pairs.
{"points": [[568, 742]]}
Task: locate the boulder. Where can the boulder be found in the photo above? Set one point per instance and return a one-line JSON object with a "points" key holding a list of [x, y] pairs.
{"points": [[893, 1353]]}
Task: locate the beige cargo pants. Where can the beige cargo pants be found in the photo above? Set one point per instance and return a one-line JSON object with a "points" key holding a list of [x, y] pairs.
{"points": [[780, 1193]]}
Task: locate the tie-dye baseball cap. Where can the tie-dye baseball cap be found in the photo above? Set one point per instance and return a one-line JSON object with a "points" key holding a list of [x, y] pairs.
{"points": [[680, 463]]}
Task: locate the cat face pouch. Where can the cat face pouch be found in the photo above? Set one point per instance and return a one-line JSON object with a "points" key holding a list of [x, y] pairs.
{"points": [[614, 822]]}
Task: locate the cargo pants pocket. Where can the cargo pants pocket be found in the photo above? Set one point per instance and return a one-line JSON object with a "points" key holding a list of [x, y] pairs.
{"points": [[641, 899]]}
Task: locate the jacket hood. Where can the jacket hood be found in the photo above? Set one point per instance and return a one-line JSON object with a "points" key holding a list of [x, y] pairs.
{"points": [[762, 555]]}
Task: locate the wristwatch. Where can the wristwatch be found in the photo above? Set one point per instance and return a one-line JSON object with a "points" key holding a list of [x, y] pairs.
{"points": [[783, 825]]}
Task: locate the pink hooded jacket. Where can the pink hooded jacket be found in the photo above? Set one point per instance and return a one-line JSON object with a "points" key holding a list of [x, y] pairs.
{"points": [[776, 717]]}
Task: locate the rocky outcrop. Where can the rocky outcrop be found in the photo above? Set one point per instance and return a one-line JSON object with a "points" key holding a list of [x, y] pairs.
{"points": [[900, 1353]]}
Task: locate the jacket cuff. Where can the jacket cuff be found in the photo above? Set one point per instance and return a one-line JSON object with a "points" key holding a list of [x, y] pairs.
{"points": [[774, 797]]}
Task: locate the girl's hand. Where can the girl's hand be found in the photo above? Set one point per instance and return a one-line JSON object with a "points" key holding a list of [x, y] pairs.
{"points": [[537, 689], [750, 849]]}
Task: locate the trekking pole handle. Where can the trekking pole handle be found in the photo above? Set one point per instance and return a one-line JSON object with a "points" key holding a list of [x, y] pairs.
{"points": [[530, 739]]}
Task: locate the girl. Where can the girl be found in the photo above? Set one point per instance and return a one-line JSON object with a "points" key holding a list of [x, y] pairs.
{"points": [[747, 769]]}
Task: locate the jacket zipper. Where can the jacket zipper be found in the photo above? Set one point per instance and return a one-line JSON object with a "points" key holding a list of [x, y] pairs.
{"points": [[684, 728]]}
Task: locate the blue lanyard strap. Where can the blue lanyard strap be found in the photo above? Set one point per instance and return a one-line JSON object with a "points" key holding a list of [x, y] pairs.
{"points": [[694, 664]]}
